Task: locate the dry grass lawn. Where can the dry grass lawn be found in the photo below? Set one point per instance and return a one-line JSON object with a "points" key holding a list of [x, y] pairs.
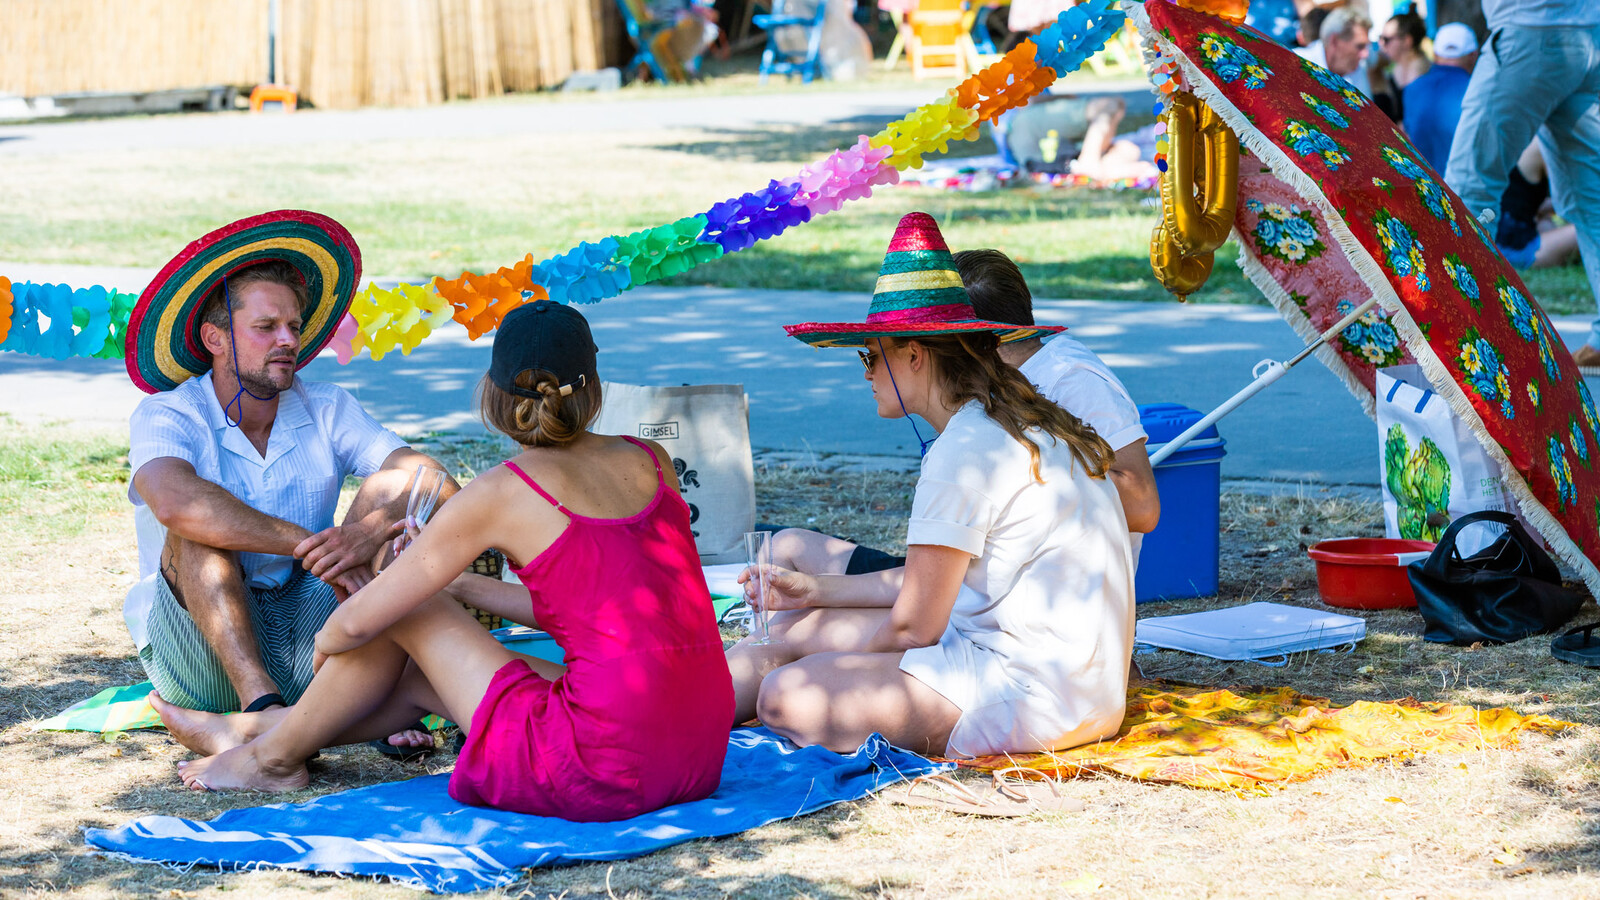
{"points": [[1512, 823]]}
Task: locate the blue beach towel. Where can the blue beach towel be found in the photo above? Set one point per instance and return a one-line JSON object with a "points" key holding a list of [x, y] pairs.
{"points": [[411, 832]]}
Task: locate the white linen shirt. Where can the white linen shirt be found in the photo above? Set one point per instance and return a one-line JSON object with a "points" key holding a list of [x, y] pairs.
{"points": [[1036, 652], [321, 434]]}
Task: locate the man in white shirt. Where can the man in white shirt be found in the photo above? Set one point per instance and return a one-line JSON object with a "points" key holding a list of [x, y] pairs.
{"points": [[236, 478], [1343, 45], [1062, 369]]}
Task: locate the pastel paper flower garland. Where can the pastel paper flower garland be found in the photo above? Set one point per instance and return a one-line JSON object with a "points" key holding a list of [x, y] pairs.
{"points": [[848, 174], [383, 319]]}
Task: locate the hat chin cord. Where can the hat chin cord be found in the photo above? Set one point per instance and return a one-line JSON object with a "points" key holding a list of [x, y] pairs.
{"points": [[922, 445], [233, 345]]}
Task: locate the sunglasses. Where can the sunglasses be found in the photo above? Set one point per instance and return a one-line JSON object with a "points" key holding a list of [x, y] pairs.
{"points": [[867, 360], [1388, 38]]}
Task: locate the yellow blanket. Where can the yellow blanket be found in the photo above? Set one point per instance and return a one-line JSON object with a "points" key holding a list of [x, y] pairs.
{"points": [[1238, 739]]}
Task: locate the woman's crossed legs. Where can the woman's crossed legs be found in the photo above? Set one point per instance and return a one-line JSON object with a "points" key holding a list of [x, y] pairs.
{"points": [[817, 687], [437, 659]]}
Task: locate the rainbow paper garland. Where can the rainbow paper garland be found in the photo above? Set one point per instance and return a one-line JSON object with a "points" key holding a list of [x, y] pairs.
{"points": [[87, 322], [93, 321]]}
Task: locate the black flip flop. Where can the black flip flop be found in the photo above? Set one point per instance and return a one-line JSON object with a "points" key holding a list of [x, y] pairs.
{"points": [[265, 700], [403, 754], [1578, 646]]}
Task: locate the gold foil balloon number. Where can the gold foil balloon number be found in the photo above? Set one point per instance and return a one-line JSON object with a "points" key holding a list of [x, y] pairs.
{"points": [[1199, 191]]}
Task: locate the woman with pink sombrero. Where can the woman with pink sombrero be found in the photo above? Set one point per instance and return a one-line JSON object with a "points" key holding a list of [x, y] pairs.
{"points": [[1011, 625]]}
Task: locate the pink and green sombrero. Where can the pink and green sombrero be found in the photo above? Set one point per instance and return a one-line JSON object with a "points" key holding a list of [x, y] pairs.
{"points": [[163, 347], [919, 294]]}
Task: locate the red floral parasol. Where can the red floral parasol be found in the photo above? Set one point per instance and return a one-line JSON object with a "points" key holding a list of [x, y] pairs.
{"points": [[1342, 208]]}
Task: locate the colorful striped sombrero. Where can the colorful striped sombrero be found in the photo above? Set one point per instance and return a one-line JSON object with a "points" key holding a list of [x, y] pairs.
{"points": [[919, 294], [163, 347]]}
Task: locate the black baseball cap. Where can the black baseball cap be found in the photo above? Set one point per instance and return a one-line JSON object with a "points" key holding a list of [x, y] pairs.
{"points": [[544, 335]]}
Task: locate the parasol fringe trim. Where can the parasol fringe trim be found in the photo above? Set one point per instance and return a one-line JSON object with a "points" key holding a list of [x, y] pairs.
{"points": [[1251, 265], [1371, 274]]}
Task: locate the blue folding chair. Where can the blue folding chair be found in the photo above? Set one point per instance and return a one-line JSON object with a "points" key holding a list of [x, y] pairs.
{"points": [[642, 30], [774, 60]]}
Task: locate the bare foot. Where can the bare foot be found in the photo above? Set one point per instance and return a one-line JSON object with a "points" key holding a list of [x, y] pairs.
{"points": [[1586, 356], [211, 733], [239, 769], [410, 738]]}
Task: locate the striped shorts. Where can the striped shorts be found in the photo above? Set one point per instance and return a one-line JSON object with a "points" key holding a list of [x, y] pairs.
{"points": [[286, 619]]}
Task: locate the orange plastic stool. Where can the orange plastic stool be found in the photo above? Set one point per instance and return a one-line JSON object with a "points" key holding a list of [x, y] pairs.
{"points": [[273, 96]]}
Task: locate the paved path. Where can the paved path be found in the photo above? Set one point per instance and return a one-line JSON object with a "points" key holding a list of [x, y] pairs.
{"points": [[541, 115], [1305, 428]]}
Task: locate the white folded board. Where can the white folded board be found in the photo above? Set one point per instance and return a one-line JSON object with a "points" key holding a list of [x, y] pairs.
{"points": [[1255, 631]]}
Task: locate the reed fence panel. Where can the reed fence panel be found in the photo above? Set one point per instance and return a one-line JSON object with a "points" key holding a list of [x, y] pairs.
{"points": [[337, 53]]}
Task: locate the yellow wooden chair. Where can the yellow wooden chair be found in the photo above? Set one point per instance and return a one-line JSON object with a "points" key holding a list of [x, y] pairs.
{"points": [[938, 45]]}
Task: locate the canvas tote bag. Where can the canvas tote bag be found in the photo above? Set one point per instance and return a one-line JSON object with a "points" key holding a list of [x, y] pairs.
{"points": [[1434, 470], [706, 430]]}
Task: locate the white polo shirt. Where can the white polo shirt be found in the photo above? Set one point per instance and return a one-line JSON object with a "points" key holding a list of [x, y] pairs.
{"points": [[321, 435]]}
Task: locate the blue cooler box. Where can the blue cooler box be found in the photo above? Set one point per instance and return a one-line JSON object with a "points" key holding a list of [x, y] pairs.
{"points": [[1179, 558]]}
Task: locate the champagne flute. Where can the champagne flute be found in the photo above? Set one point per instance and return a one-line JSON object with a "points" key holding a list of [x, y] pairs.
{"points": [[426, 485], [758, 554]]}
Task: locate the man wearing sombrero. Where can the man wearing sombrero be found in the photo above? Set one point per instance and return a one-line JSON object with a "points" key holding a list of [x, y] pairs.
{"points": [[237, 463]]}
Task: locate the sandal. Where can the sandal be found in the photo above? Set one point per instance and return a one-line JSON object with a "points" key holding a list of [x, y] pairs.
{"points": [[403, 754], [1578, 646], [265, 700], [1003, 797]]}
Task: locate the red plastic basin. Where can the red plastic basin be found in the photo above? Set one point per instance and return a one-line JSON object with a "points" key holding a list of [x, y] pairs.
{"points": [[1367, 573]]}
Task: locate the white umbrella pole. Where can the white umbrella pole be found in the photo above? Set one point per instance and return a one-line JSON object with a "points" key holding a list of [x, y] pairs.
{"points": [[1266, 372]]}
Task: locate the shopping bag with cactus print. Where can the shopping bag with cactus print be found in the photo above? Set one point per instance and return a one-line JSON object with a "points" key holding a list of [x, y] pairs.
{"points": [[1434, 470], [706, 429]]}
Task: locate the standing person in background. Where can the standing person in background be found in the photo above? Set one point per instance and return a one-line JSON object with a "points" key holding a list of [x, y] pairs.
{"points": [[1400, 62], [1433, 101], [1524, 232], [1539, 76]]}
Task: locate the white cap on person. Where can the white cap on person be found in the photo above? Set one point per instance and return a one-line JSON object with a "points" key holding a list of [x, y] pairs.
{"points": [[1454, 41]]}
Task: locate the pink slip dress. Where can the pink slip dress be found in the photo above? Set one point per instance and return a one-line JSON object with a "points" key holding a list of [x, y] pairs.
{"points": [[640, 719]]}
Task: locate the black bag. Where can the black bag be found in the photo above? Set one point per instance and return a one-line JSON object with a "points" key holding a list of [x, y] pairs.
{"points": [[1505, 592]]}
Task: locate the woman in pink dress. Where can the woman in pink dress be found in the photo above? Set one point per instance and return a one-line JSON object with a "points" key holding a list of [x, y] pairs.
{"points": [[594, 526]]}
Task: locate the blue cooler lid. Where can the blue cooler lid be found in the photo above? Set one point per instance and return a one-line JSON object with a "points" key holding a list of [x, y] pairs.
{"points": [[1165, 421]]}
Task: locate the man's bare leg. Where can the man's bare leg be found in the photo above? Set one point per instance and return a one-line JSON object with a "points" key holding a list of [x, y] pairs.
{"points": [[209, 584]]}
